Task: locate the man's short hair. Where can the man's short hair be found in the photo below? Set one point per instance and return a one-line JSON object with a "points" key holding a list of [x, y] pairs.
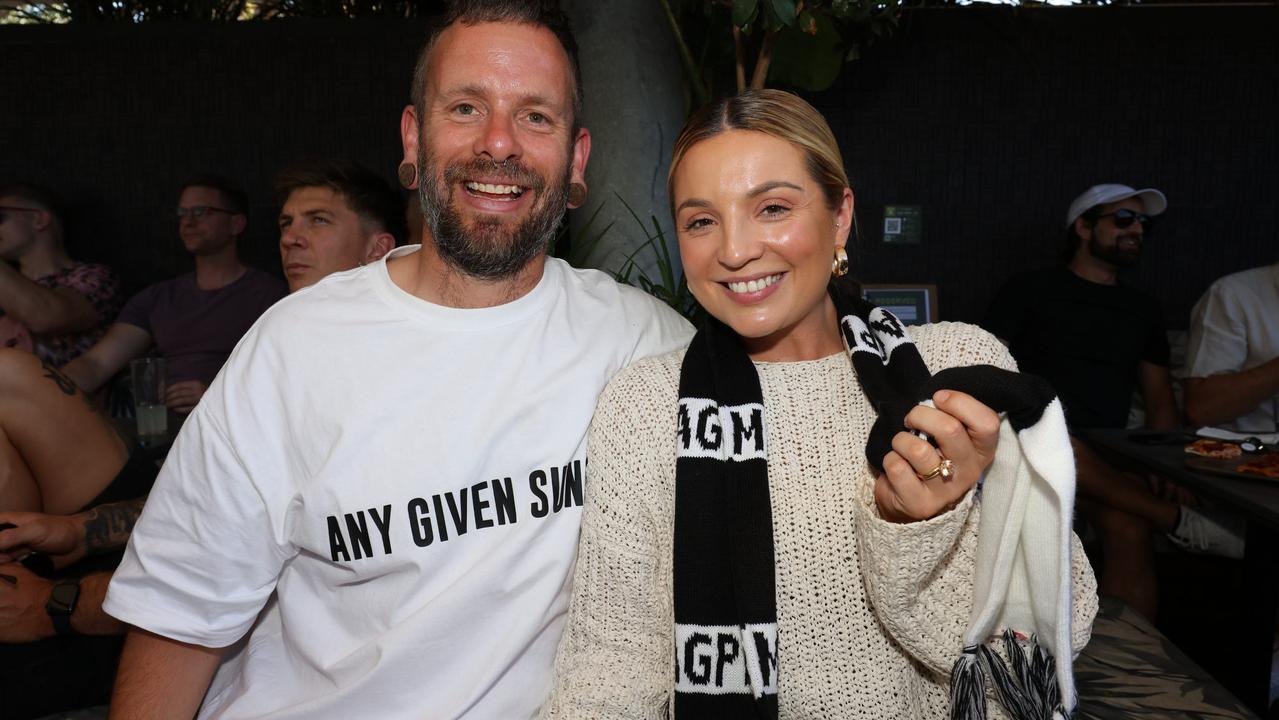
{"points": [[369, 196], [37, 195], [233, 196], [539, 13]]}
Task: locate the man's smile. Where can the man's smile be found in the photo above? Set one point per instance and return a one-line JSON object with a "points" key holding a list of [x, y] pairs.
{"points": [[494, 191]]}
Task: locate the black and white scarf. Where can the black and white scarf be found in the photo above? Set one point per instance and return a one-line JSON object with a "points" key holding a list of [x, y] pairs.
{"points": [[726, 660]]}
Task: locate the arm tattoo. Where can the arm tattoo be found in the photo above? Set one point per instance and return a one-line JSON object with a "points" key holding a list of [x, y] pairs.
{"points": [[65, 384], [108, 526], [62, 381]]}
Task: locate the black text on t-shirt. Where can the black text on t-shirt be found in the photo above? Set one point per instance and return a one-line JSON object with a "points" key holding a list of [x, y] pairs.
{"points": [[451, 514]]}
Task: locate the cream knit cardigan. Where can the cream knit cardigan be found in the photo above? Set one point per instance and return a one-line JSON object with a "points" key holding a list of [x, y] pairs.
{"points": [[870, 613]]}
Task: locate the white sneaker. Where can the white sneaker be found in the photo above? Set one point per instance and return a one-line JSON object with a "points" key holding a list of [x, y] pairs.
{"points": [[1218, 534]]}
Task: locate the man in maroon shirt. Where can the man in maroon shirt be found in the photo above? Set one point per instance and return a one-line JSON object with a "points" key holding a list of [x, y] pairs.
{"points": [[193, 320], [334, 216]]}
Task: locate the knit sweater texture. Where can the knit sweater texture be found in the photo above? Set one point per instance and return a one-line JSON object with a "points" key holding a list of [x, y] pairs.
{"points": [[870, 613]]}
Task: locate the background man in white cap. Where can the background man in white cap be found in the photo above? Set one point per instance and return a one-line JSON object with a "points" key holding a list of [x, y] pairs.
{"points": [[1097, 341]]}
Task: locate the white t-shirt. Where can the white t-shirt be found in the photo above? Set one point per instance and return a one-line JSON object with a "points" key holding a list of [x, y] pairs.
{"points": [[1235, 327], [406, 477]]}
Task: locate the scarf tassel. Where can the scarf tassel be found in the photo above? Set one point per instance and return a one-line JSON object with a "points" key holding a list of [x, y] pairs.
{"points": [[1027, 690], [968, 687]]}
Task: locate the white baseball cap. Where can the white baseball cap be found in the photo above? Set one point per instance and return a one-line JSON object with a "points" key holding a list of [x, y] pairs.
{"points": [[1152, 201]]}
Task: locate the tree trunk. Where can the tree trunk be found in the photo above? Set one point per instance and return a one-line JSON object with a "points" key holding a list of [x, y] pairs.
{"points": [[633, 106]]}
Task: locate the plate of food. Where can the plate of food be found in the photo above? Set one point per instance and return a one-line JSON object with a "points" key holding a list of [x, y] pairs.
{"points": [[1227, 458], [1213, 448]]}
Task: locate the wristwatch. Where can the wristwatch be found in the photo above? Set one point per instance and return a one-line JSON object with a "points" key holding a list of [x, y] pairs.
{"points": [[62, 603]]}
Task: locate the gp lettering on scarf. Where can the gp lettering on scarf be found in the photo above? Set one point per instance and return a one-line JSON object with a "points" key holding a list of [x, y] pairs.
{"points": [[723, 659]]}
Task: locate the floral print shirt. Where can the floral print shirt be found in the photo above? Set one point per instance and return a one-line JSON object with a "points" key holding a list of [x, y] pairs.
{"points": [[99, 285]]}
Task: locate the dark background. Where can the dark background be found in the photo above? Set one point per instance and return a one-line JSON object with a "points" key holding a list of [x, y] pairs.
{"points": [[995, 120], [116, 118], [991, 119]]}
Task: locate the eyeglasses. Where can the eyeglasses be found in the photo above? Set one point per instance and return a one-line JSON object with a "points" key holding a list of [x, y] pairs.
{"points": [[6, 209], [198, 211], [1125, 218]]}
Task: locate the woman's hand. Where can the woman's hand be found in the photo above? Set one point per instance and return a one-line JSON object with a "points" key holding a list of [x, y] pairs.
{"points": [[967, 433]]}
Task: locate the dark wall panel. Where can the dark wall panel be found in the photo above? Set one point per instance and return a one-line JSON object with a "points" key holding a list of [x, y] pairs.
{"points": [[992, 119], [117, 117]]}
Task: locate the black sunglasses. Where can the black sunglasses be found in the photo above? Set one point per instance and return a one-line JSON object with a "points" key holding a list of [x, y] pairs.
{"points": [[1125, 218]]}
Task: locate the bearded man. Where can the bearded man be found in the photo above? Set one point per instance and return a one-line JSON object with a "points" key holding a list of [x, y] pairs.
{"points": [[382, 489], [1097, 341]]}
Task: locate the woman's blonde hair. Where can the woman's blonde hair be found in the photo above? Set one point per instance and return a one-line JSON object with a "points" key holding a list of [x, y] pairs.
{"points": [[777, 113]]}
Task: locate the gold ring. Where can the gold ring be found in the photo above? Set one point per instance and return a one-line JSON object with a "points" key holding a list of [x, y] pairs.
{"points": [[944, 470]]}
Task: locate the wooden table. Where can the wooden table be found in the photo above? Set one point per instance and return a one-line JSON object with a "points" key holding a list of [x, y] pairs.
{"points": [[1258, 501]]}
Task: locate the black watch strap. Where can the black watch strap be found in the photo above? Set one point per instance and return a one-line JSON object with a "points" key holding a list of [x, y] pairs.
{"points": [[61, 604]]}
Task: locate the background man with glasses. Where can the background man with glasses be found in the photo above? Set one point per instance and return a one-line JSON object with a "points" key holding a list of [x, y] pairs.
{"points": [[1097, 341], [50, 304], [334, 216], [194, 320]]}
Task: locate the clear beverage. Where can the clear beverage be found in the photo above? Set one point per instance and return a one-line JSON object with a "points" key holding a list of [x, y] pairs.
{"points": [[152, 423], [148, 375]]}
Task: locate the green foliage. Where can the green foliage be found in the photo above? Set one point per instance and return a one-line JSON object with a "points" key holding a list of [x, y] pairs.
{"points": [[669, 286], [799, 44], [744, 12], [808, 55], [129, 11], [347, 8], [727, 46], [133, 11], [576, 248]]}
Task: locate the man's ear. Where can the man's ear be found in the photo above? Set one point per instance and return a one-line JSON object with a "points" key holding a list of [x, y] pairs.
{"points": [[1083, 229], [379, 245], [239, 223], [43, 218], [581, 153], [409, 131]]}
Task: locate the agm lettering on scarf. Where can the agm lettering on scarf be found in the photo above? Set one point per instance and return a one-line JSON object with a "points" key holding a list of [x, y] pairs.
{"points": [[880, 337], [724, 432], [724, 659]]}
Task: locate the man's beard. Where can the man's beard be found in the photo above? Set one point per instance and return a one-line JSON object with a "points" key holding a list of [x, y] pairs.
{"points": [[486, 250], [1115, 254]]}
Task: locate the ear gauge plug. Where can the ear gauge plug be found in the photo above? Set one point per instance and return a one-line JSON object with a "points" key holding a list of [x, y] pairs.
{"points": [[407, 175]]}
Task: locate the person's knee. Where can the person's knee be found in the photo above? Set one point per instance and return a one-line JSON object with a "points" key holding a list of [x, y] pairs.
{"points": [[1117, 526], [1087, 462], [17, 369]]}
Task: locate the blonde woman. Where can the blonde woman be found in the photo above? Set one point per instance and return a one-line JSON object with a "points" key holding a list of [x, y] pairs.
{"points": [[772, 530]]}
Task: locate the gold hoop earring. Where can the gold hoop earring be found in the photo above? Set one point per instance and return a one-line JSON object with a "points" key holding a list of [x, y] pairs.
{"points": [[407, 175], [839, 266]]}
